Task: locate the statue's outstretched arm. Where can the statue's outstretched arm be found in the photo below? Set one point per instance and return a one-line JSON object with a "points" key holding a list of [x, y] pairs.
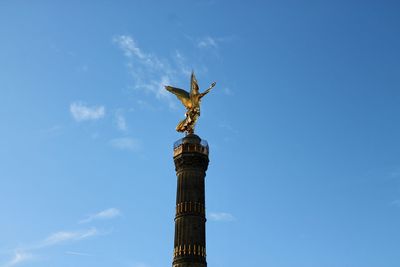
{"points": [[208, 89]]}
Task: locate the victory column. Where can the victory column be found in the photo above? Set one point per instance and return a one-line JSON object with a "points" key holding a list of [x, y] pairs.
{"points": [[191, 162]]}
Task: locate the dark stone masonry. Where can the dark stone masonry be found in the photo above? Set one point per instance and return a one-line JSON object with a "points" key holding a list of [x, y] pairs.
{"points": [[191, 162]]}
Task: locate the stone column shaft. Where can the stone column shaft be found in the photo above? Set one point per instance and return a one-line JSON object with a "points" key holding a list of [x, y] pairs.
{"points": [[191, 162]]}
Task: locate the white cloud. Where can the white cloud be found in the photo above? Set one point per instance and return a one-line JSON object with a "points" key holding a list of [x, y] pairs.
{"points": [[132, 50], [121, 122], [75, 253], [83, 68], [181, 63], [19, 257], [125, 143], [82, 112], [221, 216], [145, 105], [151, 73], [228, 128], [102, 215], [227, 91], [28, 252], [207, 42], [64, 236], [53, 129], [128, 45], [54, 239], [95, 135]]}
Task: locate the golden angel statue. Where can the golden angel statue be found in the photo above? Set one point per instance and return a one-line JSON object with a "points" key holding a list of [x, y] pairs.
{"points": [[191, 101]]}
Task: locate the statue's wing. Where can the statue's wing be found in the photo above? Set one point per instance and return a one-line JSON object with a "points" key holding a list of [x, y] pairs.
{"points": [[194, 87], [182, 95]]}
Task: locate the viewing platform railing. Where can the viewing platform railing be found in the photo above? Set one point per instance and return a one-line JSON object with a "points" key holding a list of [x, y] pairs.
{"points": [[181, 146]]}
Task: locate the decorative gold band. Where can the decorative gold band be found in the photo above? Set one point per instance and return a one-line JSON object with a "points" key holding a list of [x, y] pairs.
{"points": [[196, 250], [190, 207]]}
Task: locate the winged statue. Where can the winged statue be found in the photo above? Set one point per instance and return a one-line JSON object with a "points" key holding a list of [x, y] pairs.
{"points": [[191, 101]]}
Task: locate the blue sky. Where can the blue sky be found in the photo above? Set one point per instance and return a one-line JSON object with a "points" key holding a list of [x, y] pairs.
{"points": [[303, 128]]}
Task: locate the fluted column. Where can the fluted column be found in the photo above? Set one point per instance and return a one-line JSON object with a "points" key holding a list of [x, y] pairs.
{"points": [[191, 162]]}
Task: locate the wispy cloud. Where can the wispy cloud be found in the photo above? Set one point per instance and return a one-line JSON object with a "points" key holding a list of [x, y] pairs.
{"points": [[53, 129], [19, 257], [26, 254], [180, 61], [150, 72], [227, 91], [121, 122], [102, 215], [207, 42], [64, 236], [83, 68], [227, 127], [145, 105], [125, 143], [221, 216], [82, 112], [132, 50], [75, 253]]}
